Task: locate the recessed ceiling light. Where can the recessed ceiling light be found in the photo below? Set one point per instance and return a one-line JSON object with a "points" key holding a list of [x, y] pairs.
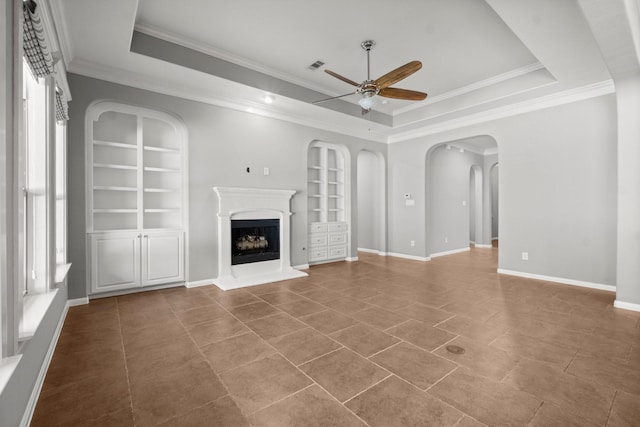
{"points": [[269, 99]]}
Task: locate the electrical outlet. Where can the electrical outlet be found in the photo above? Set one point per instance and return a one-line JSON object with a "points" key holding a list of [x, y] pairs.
{"points": [[413, 243], [525, 256]]}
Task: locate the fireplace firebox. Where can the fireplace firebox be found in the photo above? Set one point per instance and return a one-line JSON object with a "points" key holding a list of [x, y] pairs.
{"points": [[254, 240]]}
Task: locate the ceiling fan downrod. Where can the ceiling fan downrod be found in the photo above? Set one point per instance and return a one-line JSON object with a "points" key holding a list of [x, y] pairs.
{"points": [[367, 45]]}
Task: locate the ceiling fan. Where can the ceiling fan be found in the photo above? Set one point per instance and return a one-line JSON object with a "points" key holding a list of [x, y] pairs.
{"points": [[369, 89]]}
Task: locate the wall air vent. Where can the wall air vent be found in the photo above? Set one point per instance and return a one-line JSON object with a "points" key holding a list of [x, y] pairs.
{"points": [[316, 65]]}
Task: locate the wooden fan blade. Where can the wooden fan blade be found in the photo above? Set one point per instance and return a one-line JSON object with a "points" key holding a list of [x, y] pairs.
{"points": [[339, 77], [334, 97], [398, 74], [410, 95]]}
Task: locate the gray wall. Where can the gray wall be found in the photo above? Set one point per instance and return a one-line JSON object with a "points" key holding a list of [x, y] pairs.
{"points": [[557, 190], [495, 198], [222, 144]]}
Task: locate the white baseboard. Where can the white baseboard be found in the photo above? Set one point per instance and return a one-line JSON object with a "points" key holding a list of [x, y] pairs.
{"points": [[484, 246], [301, 267], [411, 257], [558, 280], [37, 387], [626, 305], [78, 301], [351, 259], [372, 251], [454, 251], [198, 283]]}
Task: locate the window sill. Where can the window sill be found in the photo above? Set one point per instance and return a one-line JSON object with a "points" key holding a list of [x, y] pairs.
{"points": [[34, 307], [7, 366], [61, 272]]}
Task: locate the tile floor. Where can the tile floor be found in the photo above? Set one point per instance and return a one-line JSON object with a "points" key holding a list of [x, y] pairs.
{"points": [[353, 344]]}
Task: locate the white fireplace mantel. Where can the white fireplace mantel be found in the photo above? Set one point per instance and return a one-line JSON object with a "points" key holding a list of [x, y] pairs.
{"points": [[253, 203]]}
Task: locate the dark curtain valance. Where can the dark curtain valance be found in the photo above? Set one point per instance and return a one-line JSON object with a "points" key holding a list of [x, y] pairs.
{"points": [[36, 50], [62, 108]]}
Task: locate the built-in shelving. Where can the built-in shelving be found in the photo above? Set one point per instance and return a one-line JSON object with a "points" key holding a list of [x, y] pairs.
{"points": [[329, 230], [135, 197]]}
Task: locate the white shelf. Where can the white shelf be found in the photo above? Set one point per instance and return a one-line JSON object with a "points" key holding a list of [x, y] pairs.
{"points": [[153, 169], [114, 166], [109, 188], [160, 149], [161, 190], [162, 210], [114, 144], [115, 210]]}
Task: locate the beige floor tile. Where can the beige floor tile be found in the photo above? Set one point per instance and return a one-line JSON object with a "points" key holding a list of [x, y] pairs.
{"points": [[202, 314], [413, 364], [421, 334], [486, 400], [625, 411], [393, 402], [521, 346], [343, 373], [301, 308], [281, 297], [168, 393], [236, 298], [303, 345], [311, 407], [275, 325], [328, 321], [216, 330], [263, 382], [423, 313], [550, 415], [388, 302], [379, 317], [472, 328], [235, 351], [590, 400], [480, 358], [321, 295], [347, 305], [253, 311], [608, 372], [364, 339], [222, 412]]}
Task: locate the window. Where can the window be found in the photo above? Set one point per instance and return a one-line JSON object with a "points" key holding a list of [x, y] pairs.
{"points": [[33, 181]]}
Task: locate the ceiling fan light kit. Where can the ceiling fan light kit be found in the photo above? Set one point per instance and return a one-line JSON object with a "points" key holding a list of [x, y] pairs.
{"points": [[369, 89]]}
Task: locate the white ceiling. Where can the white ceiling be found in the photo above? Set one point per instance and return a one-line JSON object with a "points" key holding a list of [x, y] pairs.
{"points": [[477, 55]]}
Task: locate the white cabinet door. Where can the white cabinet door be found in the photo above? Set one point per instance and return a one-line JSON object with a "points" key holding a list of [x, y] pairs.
{"points": [[162, 257], [115, 261]]}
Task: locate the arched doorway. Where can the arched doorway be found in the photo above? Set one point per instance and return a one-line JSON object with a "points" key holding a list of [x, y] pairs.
{"points": [[457, 197], [371, 190]]}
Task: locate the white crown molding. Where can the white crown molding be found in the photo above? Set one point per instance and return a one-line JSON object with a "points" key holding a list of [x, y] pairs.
{"points": [[128, 78], [560, 98], [561, 280], [60, 24], [474, 86]]}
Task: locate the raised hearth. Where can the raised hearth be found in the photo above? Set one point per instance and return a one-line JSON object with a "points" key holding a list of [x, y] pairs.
{"points": [[248, 257]]}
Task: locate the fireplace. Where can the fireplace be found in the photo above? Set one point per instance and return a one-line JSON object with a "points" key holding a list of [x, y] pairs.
{"points": [[254, 240], [254, 237]]}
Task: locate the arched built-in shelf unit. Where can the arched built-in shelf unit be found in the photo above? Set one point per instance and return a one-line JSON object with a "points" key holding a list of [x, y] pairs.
{"points": [[136, 197]]}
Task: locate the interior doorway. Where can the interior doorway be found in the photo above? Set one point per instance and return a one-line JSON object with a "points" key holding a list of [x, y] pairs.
{"points": [[475, 206], [371, 190], [495, 220]]}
